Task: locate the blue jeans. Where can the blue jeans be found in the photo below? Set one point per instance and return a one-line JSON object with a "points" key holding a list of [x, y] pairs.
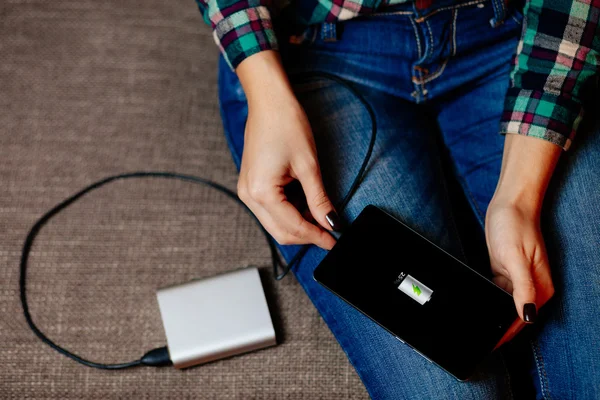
{"points": [[437, 86]]}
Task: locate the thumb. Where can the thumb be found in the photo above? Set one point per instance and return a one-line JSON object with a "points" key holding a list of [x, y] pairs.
{"points": [[524, 291], [318, 202]]}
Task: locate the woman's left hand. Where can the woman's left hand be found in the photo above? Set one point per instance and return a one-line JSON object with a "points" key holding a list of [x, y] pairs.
{"points": [[518, 258], [512, 226]]}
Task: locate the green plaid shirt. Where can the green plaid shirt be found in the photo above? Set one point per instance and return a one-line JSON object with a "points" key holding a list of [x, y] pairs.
{"points": [[557, 58]]}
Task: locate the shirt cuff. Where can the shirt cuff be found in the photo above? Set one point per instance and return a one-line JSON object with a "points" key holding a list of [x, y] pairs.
{"points": [[244, 33], [542, 115]]}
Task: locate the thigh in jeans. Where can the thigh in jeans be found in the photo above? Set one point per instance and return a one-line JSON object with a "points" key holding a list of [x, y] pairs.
{"points": [[404, 178], [565, 341], [567, 347]]}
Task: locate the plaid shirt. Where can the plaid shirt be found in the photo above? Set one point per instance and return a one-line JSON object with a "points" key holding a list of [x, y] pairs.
{"points": [[557, 57]]}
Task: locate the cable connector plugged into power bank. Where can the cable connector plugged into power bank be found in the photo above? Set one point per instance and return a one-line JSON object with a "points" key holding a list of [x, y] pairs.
{"points": [[217, 317]]}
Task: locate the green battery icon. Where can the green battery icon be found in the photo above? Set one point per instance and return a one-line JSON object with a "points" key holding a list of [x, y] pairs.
{"points": [[415, 289]]}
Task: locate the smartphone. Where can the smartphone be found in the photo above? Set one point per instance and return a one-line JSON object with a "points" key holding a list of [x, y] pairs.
{"points": [[425, 297]]}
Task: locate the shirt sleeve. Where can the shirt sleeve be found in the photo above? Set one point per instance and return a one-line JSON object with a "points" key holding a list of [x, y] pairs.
{"points": [[558, 56], [240, 27]]}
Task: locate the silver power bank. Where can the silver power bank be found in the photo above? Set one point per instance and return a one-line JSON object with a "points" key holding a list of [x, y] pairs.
{"points": [[216, 317]]}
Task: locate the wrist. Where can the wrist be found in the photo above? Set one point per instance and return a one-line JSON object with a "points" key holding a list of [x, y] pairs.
{"points": [[527, 167], [264, 81], [523, 200]]}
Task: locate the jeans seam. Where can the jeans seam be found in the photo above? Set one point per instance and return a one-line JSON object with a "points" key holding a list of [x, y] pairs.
{"points": [[470, 3], [420, 83], [494, 6], [437, 73], [454, 15], [430, 77], [541, 369], [502, 8], [430, 40], [377, 14], [420, 51], [499, 13], [440, 70]]}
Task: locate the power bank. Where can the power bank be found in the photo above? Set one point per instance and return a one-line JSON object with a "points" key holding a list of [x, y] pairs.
{"points": [[216, 317]]}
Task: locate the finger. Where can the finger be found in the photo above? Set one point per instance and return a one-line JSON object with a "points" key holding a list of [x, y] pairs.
{"points": [[289, 219], [318, 202], [512, 331], [278, 233], [523, 290], [543, 280], [271, 199]]}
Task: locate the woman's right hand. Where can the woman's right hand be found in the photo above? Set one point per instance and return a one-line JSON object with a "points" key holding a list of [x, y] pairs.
{"points": [[279, 148]]}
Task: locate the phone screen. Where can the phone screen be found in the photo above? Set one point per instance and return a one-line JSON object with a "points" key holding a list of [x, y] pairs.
{"points": [[421, 294]]}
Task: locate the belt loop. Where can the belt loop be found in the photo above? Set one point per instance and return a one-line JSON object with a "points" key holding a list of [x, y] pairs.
{"points": [[499, 13], [329, 32]]}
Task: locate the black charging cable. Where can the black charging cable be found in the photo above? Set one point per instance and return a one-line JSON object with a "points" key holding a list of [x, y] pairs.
{"points": [[160, 356]]}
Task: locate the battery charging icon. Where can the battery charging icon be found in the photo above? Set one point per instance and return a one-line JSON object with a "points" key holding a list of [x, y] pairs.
{"points": [[415, 289]]}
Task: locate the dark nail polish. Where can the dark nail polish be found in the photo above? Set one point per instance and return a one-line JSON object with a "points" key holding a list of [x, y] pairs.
{"points": [[334, 220], [529, 313]]}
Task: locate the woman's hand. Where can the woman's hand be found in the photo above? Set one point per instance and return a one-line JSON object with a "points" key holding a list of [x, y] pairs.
{"points": [[512, 227], [279, 148], [518, 258]]}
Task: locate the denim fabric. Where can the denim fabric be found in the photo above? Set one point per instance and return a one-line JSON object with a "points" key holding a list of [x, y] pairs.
{"points": [[436, 79]]}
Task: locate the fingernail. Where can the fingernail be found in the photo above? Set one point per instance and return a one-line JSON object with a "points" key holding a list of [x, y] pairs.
{"points": [[529, 313], [334, 220]]}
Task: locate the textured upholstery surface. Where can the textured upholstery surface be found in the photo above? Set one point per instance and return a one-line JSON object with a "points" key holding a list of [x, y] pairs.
{"points": [[93, 88]]}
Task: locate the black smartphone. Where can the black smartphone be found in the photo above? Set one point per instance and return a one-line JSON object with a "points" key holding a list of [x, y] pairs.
{"points": [[428, 299]]}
